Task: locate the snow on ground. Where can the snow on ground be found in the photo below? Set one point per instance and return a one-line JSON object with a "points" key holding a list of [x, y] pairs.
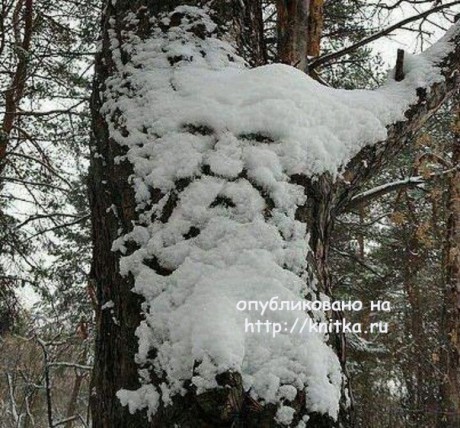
{"points": [[199, 113]]}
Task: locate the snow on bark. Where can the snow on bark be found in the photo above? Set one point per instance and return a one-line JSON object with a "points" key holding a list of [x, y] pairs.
{"points": [[213, 145]]}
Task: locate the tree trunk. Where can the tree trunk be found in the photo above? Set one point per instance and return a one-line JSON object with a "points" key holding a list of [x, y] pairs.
{"points": [[320, 216], [315, 27], [15, 92], [113, 211], [293, 32], [299, 27], [450, 349], [112, 205]]}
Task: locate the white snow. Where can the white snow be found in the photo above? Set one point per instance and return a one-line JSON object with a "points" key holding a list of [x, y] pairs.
{"points": [[207, 110], [144, 397], [284, 415], [108, 305]]}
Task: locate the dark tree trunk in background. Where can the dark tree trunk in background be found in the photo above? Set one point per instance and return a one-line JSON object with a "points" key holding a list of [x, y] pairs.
{"points": [[249, 35], [15, 92], [293, 32], [315, 27], [299, 28]]}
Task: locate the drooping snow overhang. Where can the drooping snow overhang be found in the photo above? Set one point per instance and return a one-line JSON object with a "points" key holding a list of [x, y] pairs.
{"points": [[438, 70]]}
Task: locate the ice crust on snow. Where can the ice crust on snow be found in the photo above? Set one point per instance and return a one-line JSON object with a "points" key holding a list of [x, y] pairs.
{"points": [[193, 110]]}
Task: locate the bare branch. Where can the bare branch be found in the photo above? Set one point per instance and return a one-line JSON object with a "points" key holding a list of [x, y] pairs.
{"points": [[325, 59], [70, 365], [43, 164], [47, 382], [47, 216], [59, 226], [359, 261], [66, 420], [369, 195], [33, 183], [372, 194]]}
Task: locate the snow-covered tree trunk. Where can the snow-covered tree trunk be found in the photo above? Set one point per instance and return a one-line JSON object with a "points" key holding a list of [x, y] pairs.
{"points": [[261, 212], [208, 223]]}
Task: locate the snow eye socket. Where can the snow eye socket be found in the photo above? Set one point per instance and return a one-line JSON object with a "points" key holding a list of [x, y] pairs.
{"points": [[192, 233], [197, 129], [154, 264], [223, 201], [257, 137]]}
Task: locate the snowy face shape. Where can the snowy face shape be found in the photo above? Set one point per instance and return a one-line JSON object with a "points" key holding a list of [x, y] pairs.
{"points": [[219, 143]]}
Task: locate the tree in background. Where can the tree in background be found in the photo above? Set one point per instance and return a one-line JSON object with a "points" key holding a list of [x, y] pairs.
{"points": [[46, 51]]}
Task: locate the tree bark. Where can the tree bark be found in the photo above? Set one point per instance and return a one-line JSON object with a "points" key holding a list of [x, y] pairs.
{"points": [[299, 28], [112, 210], [15, 92], [315, 27], [450, 347], [293, 32], [113, 205]]}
